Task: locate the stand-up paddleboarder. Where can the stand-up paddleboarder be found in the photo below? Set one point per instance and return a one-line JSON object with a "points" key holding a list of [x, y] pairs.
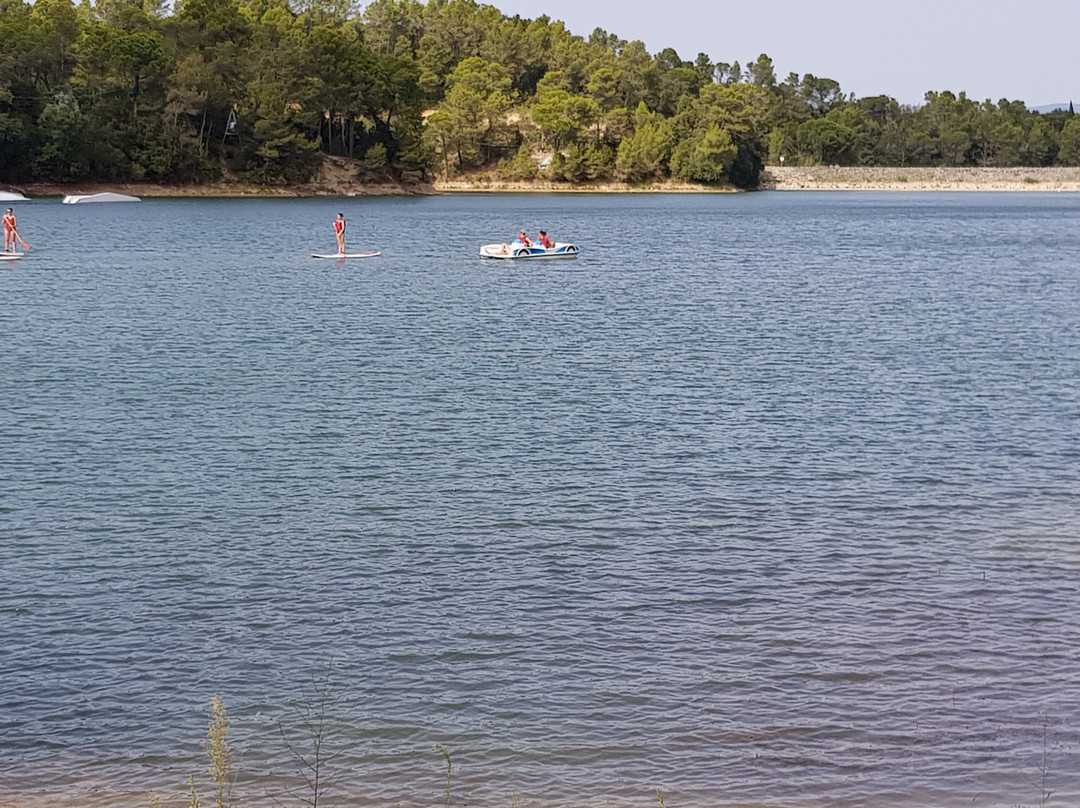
{"points": [[9, 230], [339, 233]]}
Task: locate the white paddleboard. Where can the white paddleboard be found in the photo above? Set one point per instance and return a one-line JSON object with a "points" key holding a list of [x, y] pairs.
{"points": [[10, 256], [370, 254]]}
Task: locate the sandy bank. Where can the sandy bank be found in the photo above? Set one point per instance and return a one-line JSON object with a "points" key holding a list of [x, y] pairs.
{"points": [[337, 179], [486, 184], [837, 178], [359, 188]]}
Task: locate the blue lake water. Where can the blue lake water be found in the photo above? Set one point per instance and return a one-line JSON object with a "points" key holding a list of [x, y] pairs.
{"points": [[766, 499]]}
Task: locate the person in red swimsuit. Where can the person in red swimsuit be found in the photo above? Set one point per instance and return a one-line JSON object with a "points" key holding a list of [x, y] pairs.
{"points": [[544, 241], [339, 233], [522, 240], [9, 230]]}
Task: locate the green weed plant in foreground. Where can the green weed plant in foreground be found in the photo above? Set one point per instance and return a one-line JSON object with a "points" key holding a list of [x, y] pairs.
{"points": [[446, 755], [219, 752]]}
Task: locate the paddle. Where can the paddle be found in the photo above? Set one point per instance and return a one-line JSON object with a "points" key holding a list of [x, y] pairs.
{"points": [[25, 246]]}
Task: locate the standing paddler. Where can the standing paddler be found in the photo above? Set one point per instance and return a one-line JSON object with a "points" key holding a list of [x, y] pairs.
{"points": [[339, 233], [9, 230]]}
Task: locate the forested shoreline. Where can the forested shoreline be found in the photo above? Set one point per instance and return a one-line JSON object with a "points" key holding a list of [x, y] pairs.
{"points": [[261, 90]]}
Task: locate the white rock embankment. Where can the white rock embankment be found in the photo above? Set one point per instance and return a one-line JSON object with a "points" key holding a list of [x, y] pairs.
{"points": [[841, 178]]}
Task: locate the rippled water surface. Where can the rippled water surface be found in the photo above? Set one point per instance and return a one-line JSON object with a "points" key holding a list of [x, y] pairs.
{"points": [[767, 499]]}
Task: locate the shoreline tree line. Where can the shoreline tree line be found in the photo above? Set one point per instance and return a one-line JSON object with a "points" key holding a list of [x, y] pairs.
{"points": [[259, 90]]}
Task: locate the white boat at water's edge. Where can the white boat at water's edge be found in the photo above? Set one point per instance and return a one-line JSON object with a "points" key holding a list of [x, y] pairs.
{"points": [[12, 196], [106, 196]]}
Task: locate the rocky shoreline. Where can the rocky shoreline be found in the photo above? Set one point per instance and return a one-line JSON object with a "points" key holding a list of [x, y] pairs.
{"points": [[336, 176], [348, 187], [340, 181]]}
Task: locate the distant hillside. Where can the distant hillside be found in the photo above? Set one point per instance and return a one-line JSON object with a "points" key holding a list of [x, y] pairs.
{"points": [[1051, 107]]}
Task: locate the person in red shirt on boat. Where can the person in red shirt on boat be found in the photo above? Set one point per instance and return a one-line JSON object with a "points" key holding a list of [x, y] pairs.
{"points": [[339, 233], [544, 241], [522, 240], [9, 230]]}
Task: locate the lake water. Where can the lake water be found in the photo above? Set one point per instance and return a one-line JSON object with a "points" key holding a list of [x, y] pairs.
{"points": [[767, 499]]}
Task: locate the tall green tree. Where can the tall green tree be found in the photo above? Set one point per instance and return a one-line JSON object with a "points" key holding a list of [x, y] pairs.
{"points": [[470, 120], [705, 156], [643, 155]]}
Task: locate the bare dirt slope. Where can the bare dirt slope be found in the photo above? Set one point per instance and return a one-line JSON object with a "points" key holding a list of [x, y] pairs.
{"points": [[336, 176]]}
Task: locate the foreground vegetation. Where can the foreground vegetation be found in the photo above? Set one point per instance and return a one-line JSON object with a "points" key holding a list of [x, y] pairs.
{"points": [[122, 90], [315, 749]]}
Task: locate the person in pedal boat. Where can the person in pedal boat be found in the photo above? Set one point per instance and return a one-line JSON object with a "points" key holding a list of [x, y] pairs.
{"points": [[522, 240], [9, 231], [339, 233], [544, 241]]}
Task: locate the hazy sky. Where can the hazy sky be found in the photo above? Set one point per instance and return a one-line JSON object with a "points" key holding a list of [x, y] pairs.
{"points": [[1027, 50]]}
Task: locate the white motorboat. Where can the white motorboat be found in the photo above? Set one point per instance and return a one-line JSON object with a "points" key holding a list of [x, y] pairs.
{"points": [[106, 196]]}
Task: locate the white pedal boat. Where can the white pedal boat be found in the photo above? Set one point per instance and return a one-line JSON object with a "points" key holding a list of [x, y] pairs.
{"points": [[520, 251]]}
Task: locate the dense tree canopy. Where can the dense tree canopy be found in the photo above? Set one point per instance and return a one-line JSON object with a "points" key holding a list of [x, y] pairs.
{"points": [[199, 89]]}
